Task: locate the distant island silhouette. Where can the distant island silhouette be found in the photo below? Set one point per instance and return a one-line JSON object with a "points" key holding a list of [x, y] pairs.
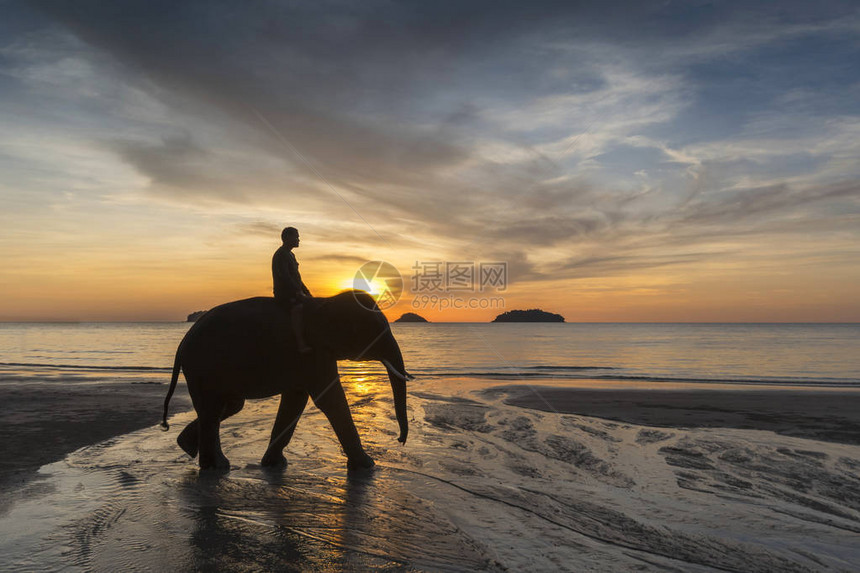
{"points": [[531, 315], [195, 315], [411, 317]]}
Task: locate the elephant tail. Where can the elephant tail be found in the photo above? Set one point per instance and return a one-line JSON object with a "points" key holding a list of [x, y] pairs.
{"points": [[177, 366]]}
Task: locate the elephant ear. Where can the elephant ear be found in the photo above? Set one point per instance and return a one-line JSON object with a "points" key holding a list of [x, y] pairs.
{"points": [[323, 330]]}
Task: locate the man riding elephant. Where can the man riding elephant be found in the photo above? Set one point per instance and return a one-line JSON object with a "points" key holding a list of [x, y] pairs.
{"points": [[290, 291]]}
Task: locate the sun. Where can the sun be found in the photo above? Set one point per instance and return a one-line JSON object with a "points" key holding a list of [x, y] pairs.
{"points": [[375, 287]]}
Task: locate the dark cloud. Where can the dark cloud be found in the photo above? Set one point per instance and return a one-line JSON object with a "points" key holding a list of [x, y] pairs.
{"points": [[550, 230], [598, 266], [181, 170], [520, 268], [338, 86], [175, 161], [742, 204], [260, 228], [340, 259]]}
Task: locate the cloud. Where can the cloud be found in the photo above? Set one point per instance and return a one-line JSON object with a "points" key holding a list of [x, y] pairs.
{"points": [[760, 203], [340, 259], [602, 266], [261, 67], [260, 228], [175, 161], [564, 137]]}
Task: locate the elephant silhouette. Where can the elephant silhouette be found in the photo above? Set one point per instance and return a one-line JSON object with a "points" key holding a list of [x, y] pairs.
{"points": [[246, 349]]}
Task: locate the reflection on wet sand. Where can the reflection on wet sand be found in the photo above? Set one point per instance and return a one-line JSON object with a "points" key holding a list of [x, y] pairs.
{"points": [[308, 521], [224, 536]]}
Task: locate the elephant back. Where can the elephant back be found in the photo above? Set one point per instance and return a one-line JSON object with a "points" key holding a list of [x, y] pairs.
{"points": [[251, 333]]}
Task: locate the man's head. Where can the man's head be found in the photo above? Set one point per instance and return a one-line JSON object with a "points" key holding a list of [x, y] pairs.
{"points": [[290, 236]]}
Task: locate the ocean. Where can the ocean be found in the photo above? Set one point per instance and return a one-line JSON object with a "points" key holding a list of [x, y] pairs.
{"points": [[624, 354]]}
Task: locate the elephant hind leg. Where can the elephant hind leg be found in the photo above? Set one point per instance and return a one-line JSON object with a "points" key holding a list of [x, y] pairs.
{"points": [[187, 439]]}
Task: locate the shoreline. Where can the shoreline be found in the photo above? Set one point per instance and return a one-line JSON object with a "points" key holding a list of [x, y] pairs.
{"points": [[42, 423], [826, 415]]}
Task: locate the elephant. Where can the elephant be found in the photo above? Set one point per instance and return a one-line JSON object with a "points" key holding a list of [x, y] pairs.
{"points": [[246, 349]]}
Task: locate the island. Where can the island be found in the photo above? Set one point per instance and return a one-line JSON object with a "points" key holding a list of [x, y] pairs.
{"points": [[411, 317], [195, 315], [531, 315]]}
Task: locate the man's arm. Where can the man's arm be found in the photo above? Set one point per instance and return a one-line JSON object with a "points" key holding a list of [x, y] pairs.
{"points": [[287, 273], [296, 276]]}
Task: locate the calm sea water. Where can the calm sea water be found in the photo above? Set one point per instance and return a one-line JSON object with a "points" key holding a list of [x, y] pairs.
{"points": [[794, 354], [807, 354]]}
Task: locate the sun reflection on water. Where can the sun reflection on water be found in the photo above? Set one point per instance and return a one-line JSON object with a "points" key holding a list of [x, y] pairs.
{"points": [[360, 385], [363, 378]]}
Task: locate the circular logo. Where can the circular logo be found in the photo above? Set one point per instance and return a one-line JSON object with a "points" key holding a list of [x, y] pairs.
{"points": [[381, 280]]}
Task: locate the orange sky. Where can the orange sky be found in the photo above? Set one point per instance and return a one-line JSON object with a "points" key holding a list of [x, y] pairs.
{"points": [[146, 281]]}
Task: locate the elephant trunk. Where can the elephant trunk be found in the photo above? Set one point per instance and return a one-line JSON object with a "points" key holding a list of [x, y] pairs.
{"points": [[397, 375]]}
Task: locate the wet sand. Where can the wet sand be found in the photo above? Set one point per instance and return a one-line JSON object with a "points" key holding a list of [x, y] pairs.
{"points": [[41, 423], [481, 485], [828, 415]]}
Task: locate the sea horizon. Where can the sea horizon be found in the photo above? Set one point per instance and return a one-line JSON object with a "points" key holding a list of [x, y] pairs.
{"points": [[450, 322]]}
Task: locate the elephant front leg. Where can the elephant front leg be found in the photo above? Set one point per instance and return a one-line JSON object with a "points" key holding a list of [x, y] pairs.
{"points": [[291, 408], [332, 402]]}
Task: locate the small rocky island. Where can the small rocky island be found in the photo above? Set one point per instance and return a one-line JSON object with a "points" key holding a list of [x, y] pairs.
{"points": [[411, 317], [531, 315], [195, 315]]}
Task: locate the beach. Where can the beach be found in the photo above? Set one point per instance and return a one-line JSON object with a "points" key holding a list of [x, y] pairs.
{"points": [[42, 423], [490, 479], [831, 415]]}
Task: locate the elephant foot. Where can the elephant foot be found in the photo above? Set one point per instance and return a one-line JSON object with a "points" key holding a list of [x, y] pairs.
{"points": [[214, 469], [216, 463], [273, 460], [212, 472], [187, 440], [361, 462]]}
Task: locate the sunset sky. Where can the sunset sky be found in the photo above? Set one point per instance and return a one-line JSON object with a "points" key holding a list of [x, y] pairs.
{"points": [[642, 161]]}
